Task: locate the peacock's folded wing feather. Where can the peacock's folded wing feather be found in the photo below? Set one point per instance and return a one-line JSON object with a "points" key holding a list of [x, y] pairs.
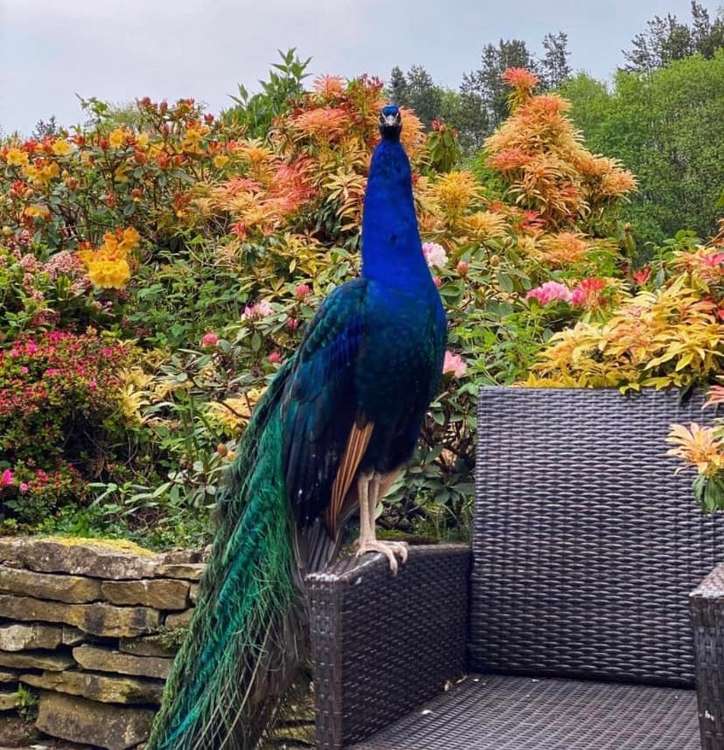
{"points": [[319, 405]]}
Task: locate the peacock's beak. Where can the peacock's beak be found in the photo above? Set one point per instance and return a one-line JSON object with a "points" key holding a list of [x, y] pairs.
{"points": [[390, 120]]}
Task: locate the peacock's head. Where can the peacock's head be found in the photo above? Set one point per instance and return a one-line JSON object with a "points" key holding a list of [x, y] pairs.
{"points": [[390, 121]]}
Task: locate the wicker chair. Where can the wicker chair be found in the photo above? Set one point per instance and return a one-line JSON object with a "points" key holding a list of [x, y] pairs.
{"points": [[568, 628]]}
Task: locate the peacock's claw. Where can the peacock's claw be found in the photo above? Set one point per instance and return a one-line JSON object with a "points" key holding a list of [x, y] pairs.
{"points": [[391, 550]]}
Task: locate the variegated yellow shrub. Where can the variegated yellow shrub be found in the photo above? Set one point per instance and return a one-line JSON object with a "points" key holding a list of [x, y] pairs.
{"points": [[667, 337], [703, 448]]}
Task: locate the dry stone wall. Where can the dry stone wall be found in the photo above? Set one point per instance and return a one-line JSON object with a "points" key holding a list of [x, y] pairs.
{"points": [[90, 627]]}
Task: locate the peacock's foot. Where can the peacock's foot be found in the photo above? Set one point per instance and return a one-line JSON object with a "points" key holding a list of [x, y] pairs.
{"points": [[391, 550]]}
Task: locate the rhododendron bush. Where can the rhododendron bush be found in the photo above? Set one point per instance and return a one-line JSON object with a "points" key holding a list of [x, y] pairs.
{"points": [[156, 269]]}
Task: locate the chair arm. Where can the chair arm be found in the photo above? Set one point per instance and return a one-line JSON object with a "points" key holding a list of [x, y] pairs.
{"points": [[707, 613], [383, 644]]}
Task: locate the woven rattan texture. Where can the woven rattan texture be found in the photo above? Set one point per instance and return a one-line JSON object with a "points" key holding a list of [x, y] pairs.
{"points": [[707, 614], [383, 644], [518, 713], [586, 544]]}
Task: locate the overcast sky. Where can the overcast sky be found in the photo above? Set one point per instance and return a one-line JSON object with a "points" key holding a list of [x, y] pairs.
{"points": [[122, 49]]}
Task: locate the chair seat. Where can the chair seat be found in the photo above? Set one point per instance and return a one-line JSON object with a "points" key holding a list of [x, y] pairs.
{"points": [[486, 712]]}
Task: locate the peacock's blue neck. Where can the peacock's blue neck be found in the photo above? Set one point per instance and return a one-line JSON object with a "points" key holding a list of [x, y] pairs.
{"points": [[391, 247]]}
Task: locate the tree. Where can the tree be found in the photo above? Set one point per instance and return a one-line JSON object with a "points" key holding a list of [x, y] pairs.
{"points": [[486, 82], [667, 39], [463, 111], [666, 128], [397, 88], [554, 67], [423, 95], [485, 88], [46, 128]]}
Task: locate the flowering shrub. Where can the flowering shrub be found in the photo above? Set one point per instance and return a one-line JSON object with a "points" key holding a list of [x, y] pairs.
{"points": [[59, 397], [663, 336]]}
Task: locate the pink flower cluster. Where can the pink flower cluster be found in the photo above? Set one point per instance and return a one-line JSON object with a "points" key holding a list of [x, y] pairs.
{"points": [[454, 365], [257, 311], [7, 479], [301, 291], [586, 293], [549, 292], [435, 254]]}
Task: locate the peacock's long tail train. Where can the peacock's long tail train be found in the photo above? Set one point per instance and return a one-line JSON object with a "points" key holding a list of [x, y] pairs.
{"points": [[246, 637]]}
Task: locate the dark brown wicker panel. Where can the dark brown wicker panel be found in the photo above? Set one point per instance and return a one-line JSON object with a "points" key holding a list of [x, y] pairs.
{"points": [[586, 544], [518, 713], [707, 614], [383, 644]]}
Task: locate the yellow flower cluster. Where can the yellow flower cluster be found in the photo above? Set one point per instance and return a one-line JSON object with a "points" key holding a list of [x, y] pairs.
{"points": [[117, 138], [108, 266], [61, 147], [40, 176], [16, 157]]}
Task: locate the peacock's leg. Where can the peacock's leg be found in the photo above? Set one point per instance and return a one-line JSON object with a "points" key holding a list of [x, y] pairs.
{"points": [[368, 491]]}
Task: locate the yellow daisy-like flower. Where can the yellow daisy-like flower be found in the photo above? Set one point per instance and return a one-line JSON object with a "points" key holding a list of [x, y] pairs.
{"points": [[220, 161]]}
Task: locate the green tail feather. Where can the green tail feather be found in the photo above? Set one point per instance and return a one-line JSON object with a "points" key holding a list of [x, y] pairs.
{"points": [[246, 636]]}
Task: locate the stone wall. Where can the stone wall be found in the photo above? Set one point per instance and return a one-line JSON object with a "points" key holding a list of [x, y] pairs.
{"points": [[90, 627]]}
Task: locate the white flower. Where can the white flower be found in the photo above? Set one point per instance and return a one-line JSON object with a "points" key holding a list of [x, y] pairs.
{"points": [[435, 254]]}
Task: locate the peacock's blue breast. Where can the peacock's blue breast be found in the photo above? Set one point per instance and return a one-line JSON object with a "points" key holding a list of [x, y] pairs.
{"points": [[399, 364]]}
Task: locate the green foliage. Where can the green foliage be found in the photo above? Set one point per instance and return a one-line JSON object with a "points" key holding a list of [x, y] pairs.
{"points": [[27, 703], [232, 230], [256, 112], [487, 81], [709, 492], [443, 147], [666, 127]]}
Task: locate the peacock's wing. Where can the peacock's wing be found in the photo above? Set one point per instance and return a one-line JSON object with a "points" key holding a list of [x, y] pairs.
{"points": [[324, 438]]}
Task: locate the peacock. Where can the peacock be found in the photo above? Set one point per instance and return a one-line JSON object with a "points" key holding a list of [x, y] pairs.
{"points": [[336, 424]]}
